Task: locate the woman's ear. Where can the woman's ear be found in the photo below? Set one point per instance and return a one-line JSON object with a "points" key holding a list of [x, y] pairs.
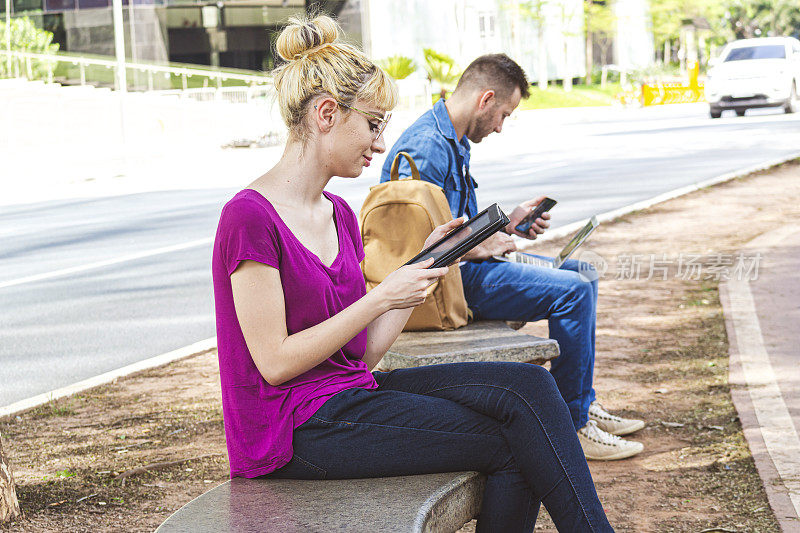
{"points": [[325, 113]]}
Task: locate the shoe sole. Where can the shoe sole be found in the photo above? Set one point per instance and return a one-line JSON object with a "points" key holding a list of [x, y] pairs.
{"points": [[617, 456], [620, 432]]}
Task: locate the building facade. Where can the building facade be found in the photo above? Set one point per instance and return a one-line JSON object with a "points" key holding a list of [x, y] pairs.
{"points": [[229, 33], [545, 36]]}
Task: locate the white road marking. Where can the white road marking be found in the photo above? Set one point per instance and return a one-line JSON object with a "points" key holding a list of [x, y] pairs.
{"points": [[105, 263]]}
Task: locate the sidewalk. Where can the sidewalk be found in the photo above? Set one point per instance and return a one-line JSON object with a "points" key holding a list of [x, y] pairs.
{"points": [[763, 322]]}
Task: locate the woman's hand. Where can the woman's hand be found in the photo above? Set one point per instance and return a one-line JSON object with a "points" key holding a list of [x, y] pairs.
{"points": [[407, 286], [440, 231]]}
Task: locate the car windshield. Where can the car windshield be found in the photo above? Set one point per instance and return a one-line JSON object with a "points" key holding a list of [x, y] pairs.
{"points": [[774, 51]]}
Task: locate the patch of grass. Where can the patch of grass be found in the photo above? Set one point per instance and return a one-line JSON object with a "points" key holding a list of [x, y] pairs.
{"points": [[555, 96], [579, 96], [54, 408], [61, 474]]}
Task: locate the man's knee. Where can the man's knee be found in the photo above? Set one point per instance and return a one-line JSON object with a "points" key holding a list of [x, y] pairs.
{"points": [[580, 292]]}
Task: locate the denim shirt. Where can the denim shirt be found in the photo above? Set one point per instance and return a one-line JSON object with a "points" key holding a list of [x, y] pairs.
{"points": [[441, 158]]}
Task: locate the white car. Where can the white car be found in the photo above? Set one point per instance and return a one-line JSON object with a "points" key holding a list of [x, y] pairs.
{"points": [[751, 73]]}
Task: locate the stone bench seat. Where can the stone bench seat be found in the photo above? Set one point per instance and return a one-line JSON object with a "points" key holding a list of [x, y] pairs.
{"points": [[430, 503], [479, 341]]}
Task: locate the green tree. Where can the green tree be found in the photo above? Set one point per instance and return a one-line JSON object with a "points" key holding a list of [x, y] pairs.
{"points": [[668, 16], [533, 10], [442, 69], [568, 14], [600, 23], [26, 37], [398, 67], [759, 18]]}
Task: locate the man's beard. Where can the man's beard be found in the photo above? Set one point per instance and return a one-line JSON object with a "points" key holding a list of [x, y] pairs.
{"points": [[482, 129]]}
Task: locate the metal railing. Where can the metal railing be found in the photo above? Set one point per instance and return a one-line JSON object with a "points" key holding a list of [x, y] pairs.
{"points": [[180, 81], [235, 95], [24, 64]]}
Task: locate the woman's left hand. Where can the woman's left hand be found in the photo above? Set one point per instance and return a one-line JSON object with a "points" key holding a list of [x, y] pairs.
{"points": [[440, 231]]}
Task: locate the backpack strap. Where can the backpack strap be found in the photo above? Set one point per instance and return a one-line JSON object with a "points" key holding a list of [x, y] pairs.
{"points": [[394, 173]]}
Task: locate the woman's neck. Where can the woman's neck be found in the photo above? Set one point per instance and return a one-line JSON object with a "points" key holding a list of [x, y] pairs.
{"points": [[298, 178]]}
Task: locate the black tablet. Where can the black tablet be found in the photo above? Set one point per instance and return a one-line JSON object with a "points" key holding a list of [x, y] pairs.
{"points": [[464, 238]]}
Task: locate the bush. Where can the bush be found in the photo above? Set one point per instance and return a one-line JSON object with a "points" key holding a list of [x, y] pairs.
{"points": [[26, 37], [597, 76], [398, 67], [441, 69], [655, 73]]}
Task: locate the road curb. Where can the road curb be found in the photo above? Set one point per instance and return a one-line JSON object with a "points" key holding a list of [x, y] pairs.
{"points": [[765, 420], [569, 229], [108, 377]]}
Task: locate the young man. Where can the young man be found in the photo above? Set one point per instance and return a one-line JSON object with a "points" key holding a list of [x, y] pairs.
{"points": [[439, 141]]}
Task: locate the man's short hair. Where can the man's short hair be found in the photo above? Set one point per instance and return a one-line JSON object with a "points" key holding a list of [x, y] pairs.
{"points": [[495, 71]]}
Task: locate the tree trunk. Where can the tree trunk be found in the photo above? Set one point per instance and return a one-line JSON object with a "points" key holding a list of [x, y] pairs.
{"points": [[589, 45], [589, 57], [542, 51], [9, 506]]}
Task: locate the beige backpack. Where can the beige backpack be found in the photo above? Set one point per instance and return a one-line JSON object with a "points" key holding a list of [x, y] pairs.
{"points": [[395, 219]]}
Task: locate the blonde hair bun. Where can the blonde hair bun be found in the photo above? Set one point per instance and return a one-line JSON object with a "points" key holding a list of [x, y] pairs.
{"points": [[302, 36], [318, 62]]}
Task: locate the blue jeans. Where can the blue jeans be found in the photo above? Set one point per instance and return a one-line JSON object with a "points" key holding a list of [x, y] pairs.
{"points": [[506, 420], [498, 290]]}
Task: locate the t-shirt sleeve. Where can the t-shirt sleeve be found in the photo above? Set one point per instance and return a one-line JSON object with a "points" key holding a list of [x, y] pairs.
{"points": [[353, 229], [429, 152], [247, 232]]}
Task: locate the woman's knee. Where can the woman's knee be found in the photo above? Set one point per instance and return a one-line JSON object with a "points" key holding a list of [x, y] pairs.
{"points": [[526, 377]]}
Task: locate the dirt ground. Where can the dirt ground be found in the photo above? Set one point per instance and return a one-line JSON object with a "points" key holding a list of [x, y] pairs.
{"points": [[662, 355]]}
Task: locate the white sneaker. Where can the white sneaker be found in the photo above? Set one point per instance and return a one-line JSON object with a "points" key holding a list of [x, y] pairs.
{"points": [[599, 445], [613, 424]]}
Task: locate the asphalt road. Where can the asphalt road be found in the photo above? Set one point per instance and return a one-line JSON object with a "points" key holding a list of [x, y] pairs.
{"points": [[90, 285]]}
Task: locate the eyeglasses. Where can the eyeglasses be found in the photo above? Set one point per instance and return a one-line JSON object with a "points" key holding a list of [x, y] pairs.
{"points": [[382, 121]]}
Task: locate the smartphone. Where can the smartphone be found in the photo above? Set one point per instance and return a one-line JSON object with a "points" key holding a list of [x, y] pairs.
{"points": [[544, 206]]}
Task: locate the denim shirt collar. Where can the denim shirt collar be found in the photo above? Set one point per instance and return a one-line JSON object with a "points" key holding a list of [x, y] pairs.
{"points": [[446, 128]]}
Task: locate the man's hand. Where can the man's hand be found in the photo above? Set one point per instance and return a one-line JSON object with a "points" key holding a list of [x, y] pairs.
{"points": [[497, 244], [538, 226]]}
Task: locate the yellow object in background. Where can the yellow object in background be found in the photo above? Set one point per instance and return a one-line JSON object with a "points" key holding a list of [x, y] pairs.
{"points": [[675, 92]]}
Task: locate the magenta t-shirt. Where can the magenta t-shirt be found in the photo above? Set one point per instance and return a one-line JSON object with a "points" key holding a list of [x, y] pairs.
{"points": [[259, 418]]}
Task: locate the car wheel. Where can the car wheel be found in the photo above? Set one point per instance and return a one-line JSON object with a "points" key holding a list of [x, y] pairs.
{"points": [[740, 112], [715, 113], [792, 104]]}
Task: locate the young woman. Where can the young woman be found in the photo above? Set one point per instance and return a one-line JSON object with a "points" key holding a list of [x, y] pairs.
{"points": [[298, 334]]}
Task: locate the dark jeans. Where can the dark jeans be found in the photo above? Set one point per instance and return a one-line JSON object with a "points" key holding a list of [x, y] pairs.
{"points": [[497, 290], [506, 420]]}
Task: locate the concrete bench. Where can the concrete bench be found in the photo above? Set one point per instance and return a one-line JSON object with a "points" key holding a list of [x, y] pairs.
{"points": [[429, 503], [434, 502], [479, 341]]}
